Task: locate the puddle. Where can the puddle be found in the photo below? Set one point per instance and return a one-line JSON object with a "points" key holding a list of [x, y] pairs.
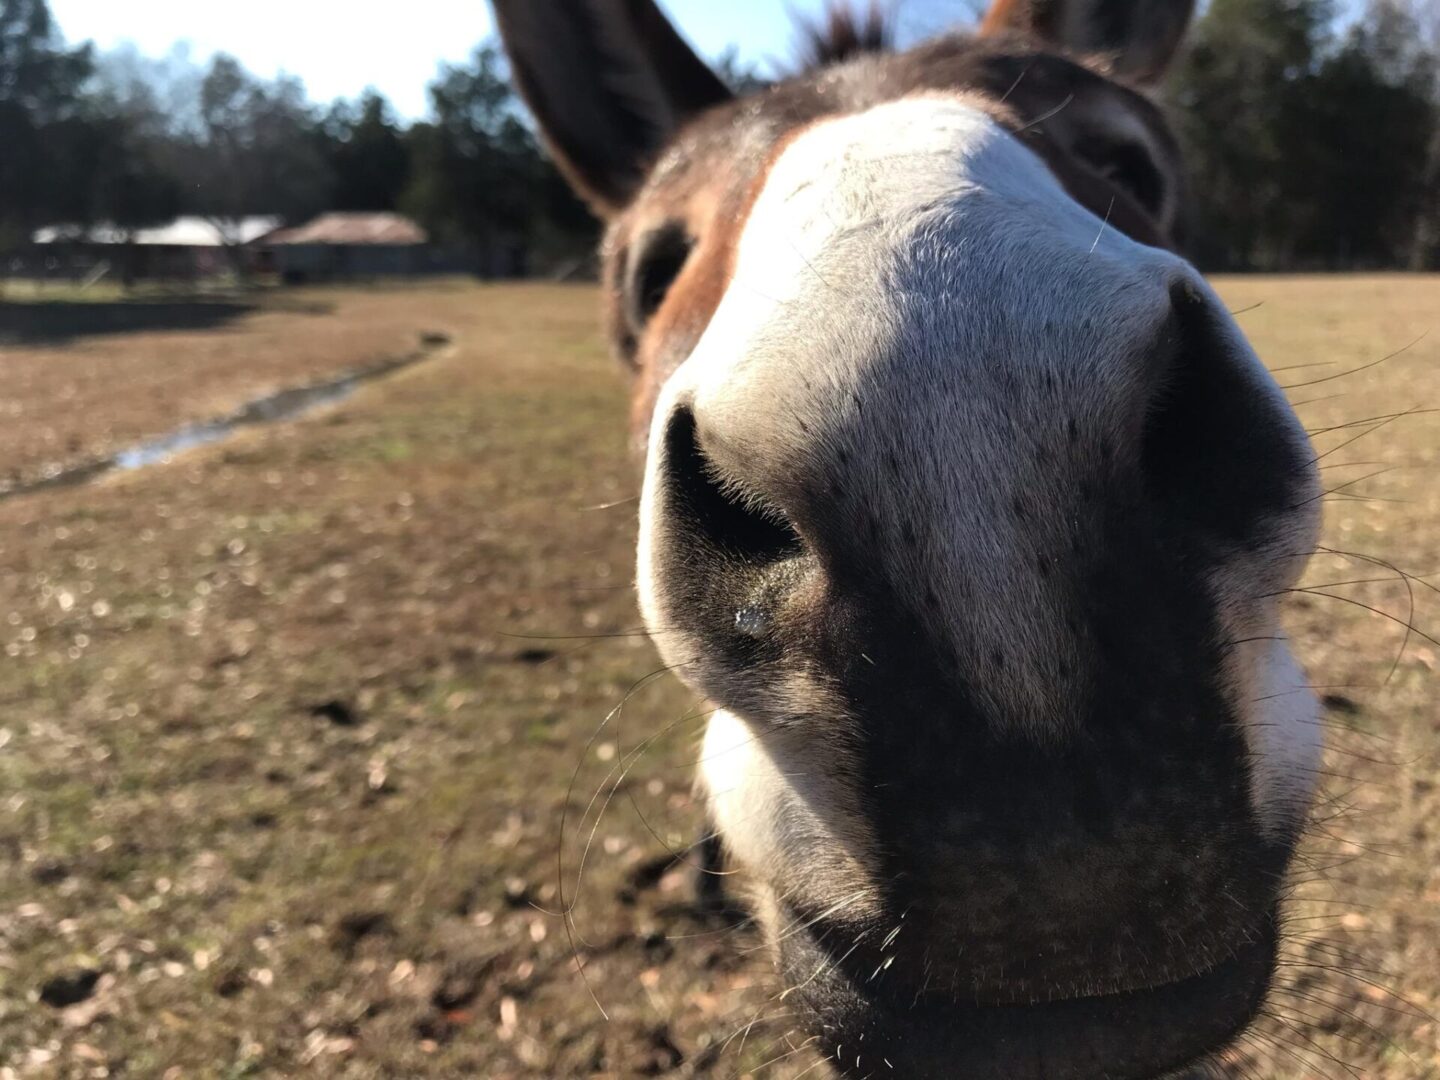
{"points": [[273, 408]]}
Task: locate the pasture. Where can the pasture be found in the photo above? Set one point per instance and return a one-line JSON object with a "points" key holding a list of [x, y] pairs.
{"points": [[291, 725]]}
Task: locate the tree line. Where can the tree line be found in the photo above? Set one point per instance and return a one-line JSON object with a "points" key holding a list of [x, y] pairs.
{"points": [[133, 141], [1312, 144], [1313, 141]]}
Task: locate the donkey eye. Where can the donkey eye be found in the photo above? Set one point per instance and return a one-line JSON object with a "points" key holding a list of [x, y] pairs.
{"points": [[1128, 166], [658, 260]]}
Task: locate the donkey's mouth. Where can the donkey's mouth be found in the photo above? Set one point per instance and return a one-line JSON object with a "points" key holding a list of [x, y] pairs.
{"points": [[1134, 1035]]}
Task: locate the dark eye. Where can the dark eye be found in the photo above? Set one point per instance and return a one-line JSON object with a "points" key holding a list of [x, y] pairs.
{"points": [[1128, 166], [654, 266]]}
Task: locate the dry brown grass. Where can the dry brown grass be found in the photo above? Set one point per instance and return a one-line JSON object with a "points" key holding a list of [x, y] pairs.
{"points": [[287, 727], [1365, 962], [84, 379]]}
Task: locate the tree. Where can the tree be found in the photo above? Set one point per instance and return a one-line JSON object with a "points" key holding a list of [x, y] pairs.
{"points": [[1235, 92], [476, 167], [40, 98], [1358, 146], [161, 94], [254, 152], [364, 147], [133, 182], [1425, 248], [1309, 147]]}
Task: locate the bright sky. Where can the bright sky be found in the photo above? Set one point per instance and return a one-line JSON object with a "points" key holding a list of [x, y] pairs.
{"points": [[338, 50]]}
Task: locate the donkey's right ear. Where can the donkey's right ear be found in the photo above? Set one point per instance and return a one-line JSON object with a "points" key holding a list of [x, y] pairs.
{"points": [[1139, 37], [608, 81]]}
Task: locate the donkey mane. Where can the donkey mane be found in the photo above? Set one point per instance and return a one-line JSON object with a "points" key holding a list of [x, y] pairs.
{"points": [[842, 33]]}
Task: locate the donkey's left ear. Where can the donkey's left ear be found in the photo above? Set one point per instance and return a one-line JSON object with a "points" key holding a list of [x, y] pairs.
{"points": [[608, 81], [1140, 37]]}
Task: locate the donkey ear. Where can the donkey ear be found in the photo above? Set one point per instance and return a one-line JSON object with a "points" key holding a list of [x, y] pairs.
{"points": [[1140, 36], [608, 81]]}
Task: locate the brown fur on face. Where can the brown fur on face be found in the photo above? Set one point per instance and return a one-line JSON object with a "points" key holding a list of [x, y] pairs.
{"points": [[1068, 111], [710, 213]]}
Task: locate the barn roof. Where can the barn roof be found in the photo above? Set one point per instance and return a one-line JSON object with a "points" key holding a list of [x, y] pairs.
{"points": [[354, 228]]}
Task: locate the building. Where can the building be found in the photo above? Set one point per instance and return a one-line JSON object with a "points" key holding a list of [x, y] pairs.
{"points": [[335, 246], [338, 246], [351, 245], [186, 249]]}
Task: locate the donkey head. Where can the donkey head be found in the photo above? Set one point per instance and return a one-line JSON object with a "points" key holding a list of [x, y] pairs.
{"points": [[967, 505]]}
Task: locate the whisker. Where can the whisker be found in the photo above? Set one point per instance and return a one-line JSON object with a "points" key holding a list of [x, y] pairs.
{"points": [[628, 501], [566, 909], [1362, 367], [1049, 114]]}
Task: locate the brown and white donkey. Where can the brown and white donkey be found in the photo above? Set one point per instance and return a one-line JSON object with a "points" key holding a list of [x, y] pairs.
{"points": [[966, 504]]}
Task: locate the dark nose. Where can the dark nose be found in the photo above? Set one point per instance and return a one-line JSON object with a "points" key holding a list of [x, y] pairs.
{"points": [[1031, 667], [1125, 856], [940, 1030]]}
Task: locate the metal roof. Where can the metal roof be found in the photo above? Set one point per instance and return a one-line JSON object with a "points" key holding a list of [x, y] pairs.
{"points": [[354, 228], [182, 232]]}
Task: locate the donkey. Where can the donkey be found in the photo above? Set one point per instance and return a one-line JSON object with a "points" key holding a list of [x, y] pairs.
{"points": [[966, 504]]}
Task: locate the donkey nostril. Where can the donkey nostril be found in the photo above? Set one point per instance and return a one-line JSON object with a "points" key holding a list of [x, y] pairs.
{"points": [[1215, 448], [714, 511]]}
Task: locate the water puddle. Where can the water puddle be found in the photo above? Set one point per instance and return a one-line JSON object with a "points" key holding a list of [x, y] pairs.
{"points": [[273, 408]]}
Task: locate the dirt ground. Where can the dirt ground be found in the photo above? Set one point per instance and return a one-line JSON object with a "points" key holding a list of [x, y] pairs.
{"points": [[307, 739]]}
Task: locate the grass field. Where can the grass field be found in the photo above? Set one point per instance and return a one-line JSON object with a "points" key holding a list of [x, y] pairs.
{"points": [[288, 726], [84, 379]]}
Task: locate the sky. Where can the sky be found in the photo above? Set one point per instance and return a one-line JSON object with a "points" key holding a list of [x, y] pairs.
{"points": [[338, 50]]}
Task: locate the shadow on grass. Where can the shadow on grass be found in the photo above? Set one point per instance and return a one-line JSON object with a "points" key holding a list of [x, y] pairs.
{"points": [[56, 322]]}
